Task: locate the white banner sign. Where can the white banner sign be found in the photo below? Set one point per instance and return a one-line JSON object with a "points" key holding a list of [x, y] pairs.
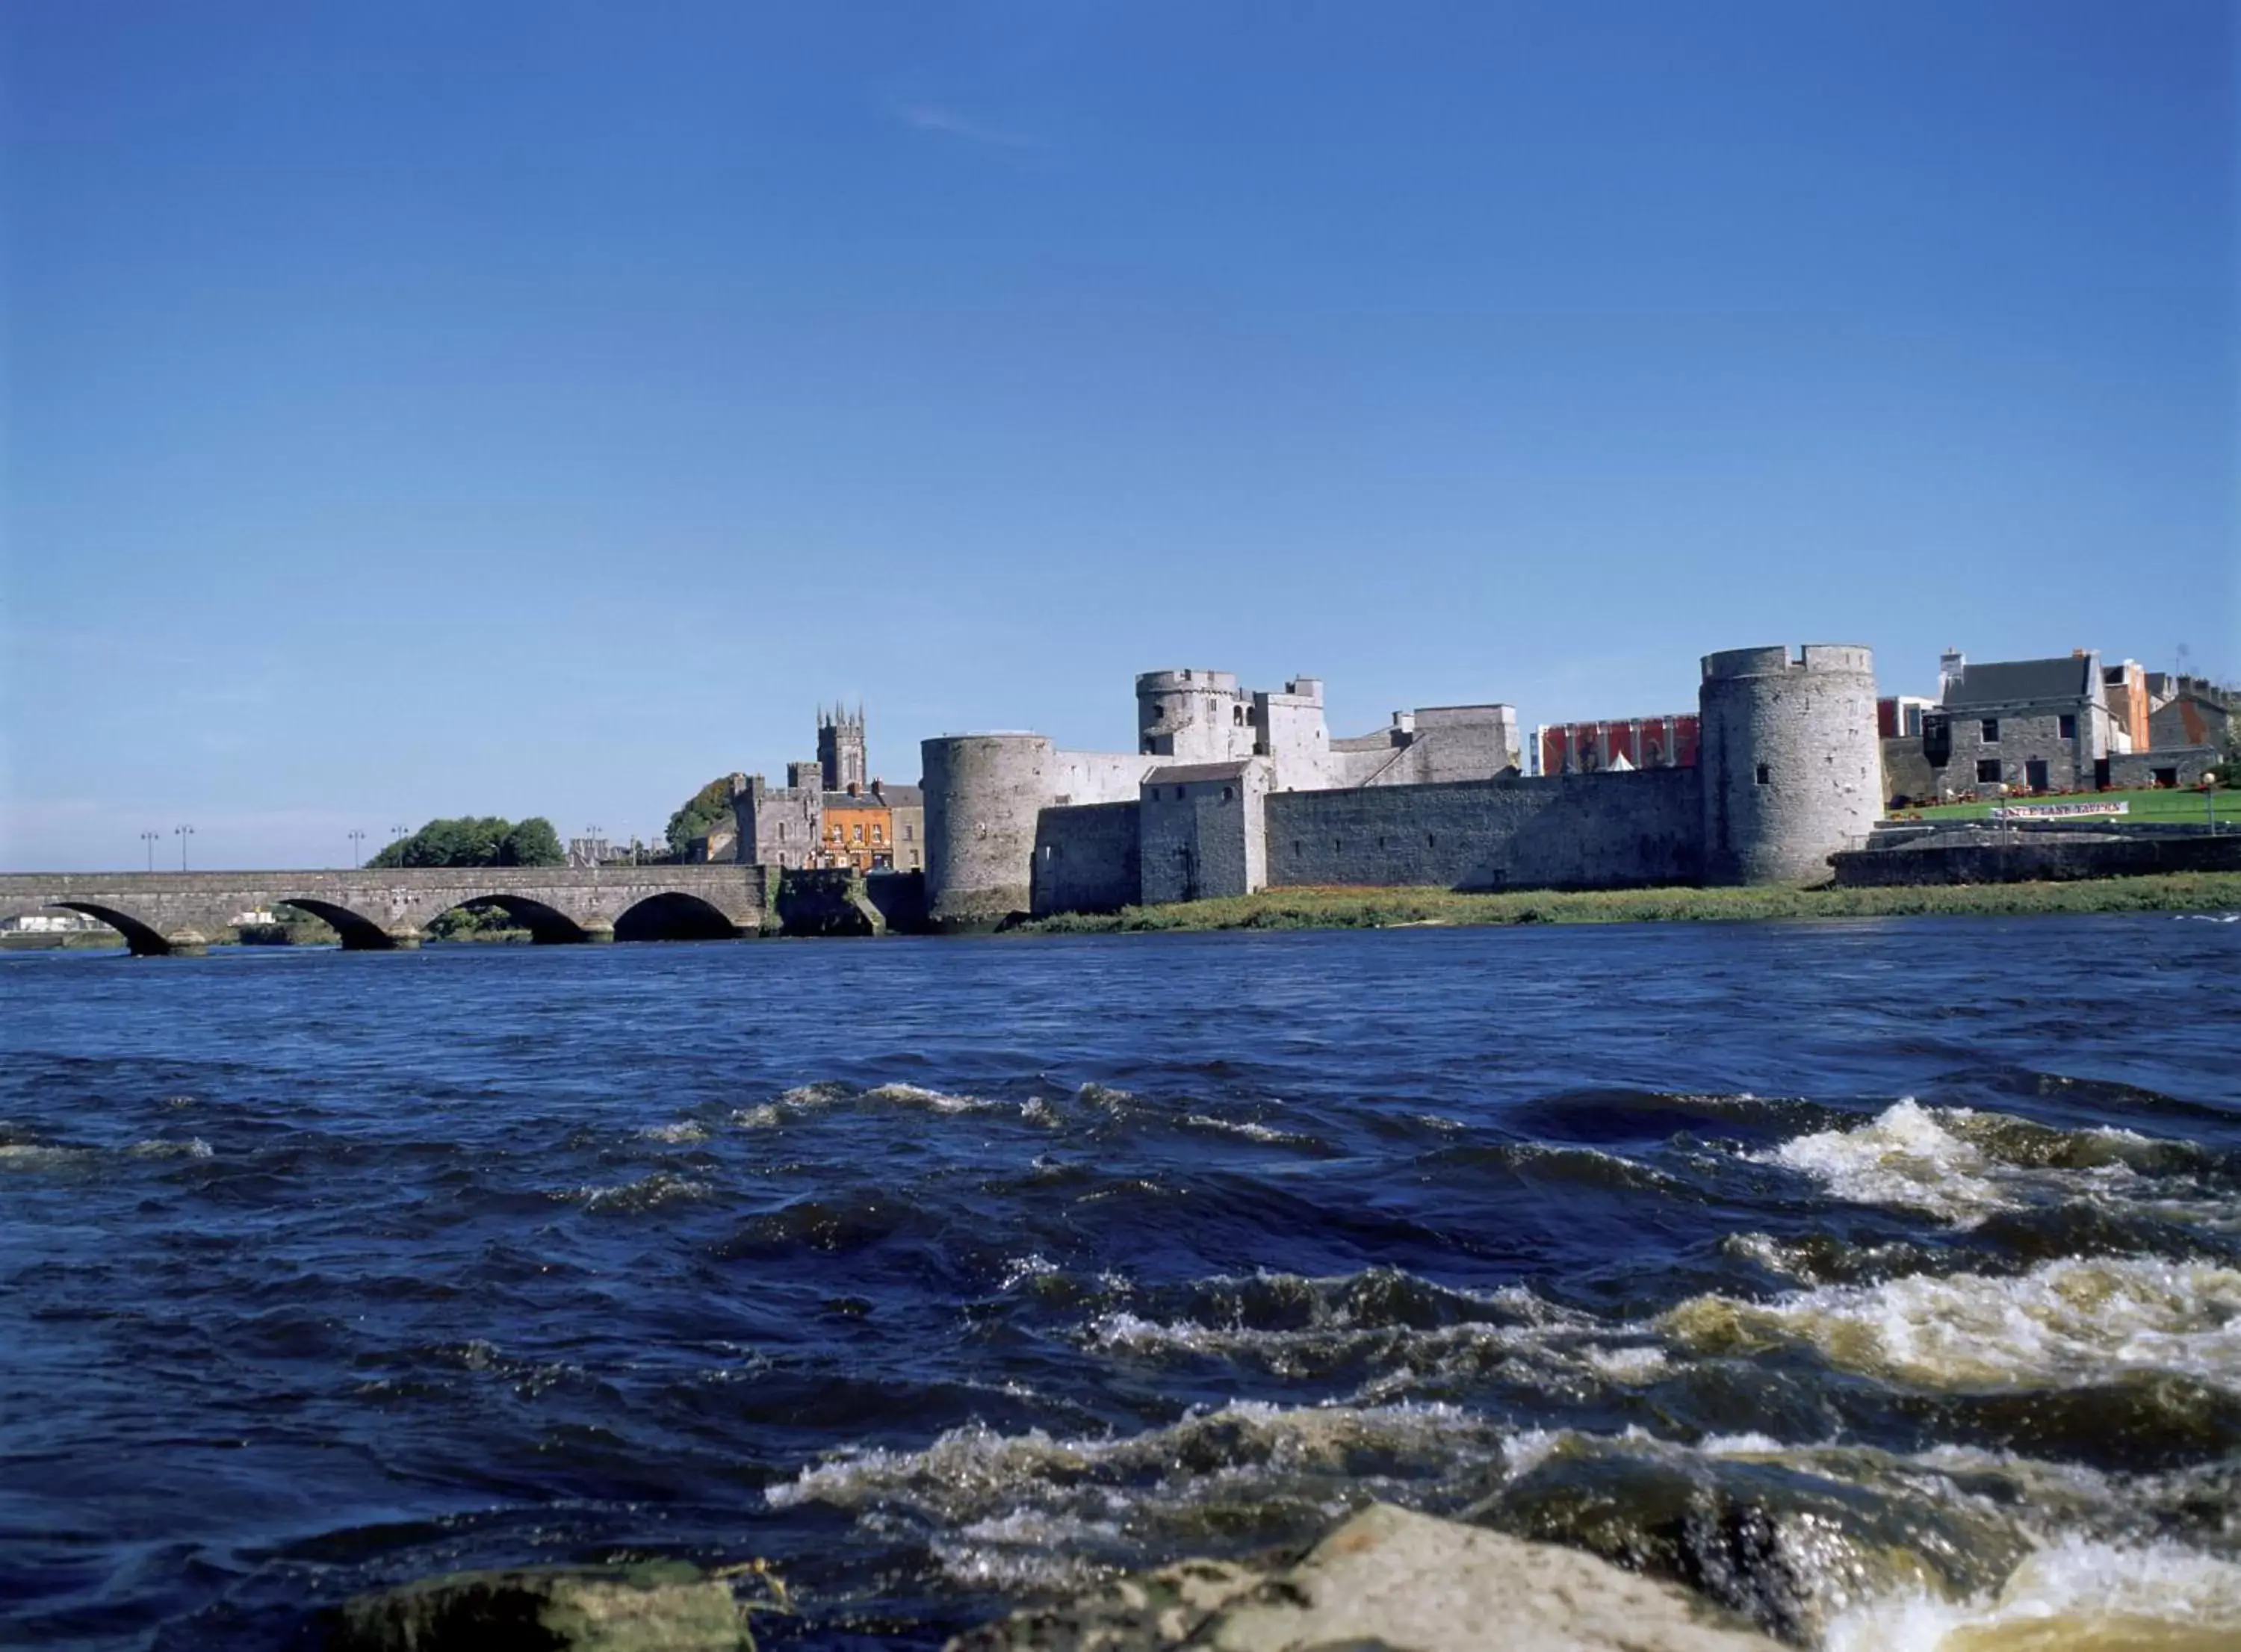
{"points": [[2058, 811]]}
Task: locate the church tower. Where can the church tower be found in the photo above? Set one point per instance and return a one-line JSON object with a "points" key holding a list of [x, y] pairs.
{"points": [[840, 749]]}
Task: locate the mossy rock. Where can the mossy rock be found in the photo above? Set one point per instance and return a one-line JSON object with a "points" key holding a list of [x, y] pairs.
{"points": [[655, 1607]]}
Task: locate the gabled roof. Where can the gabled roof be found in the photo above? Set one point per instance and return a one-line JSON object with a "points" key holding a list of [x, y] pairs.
{"points": [[2010, 681], [1184, 773]]}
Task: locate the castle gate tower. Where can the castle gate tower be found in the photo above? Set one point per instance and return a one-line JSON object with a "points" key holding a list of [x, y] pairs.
{"points": [[1792, 769], [984, 793]]}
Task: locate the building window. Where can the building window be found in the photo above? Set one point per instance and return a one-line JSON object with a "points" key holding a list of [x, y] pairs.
{"points": [[2069, 726], [860, 833], [875, 833], [1228, 794], [2167, 776], [1431, 842], [906, 835], [1990, 727], [1179, 794], [1988, 770], [1765, 775], [1238, 715]]}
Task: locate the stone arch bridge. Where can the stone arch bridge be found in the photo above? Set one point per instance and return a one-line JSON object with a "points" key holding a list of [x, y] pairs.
{"points": [[183, 912]]}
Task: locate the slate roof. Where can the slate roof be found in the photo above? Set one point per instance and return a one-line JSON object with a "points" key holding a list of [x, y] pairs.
{"points": [[2010, 682], [888, 797], [1184, 773]]}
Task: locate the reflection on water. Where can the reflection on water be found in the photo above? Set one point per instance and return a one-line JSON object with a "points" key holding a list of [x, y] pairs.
{"points": [[1880, 1281]]}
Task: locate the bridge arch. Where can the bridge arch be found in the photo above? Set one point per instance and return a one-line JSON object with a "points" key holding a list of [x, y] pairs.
{"points": [[142, 939], [355, 931], [674, 915], [547, 926]]}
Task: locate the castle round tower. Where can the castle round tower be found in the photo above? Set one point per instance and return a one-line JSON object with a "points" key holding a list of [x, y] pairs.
{"points": [[1192, 716], [1790, 765], [983, 795]]}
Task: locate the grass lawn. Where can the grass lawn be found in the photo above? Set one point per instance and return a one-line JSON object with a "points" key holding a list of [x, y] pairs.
{"points": [[2145, 806]]}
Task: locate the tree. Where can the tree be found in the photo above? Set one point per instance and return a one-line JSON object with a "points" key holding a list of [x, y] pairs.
{"points": [[533, 843], [476, 840], [705, 810]]}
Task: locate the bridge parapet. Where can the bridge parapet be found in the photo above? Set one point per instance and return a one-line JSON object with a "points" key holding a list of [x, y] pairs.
{"points": [[183, 912]]}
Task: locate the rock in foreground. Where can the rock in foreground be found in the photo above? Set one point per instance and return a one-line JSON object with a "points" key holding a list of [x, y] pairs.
{"points": [[660, 1606], [1391, 1580]]}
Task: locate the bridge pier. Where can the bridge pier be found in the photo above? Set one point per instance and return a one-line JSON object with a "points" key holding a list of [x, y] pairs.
{"points": [[599, 933], [186, 943], [404, 939]]}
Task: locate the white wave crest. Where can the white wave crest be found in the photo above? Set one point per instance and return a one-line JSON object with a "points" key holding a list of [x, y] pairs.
{"points": [[1962, 1165], [2075, 1595], [2072, 1320], [193, 1147], [918, 1095], [1906, 1157], [1032, 1508]]}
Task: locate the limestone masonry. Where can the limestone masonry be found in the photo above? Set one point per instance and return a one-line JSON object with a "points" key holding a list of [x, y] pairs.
{"points": [[1233, 790]]}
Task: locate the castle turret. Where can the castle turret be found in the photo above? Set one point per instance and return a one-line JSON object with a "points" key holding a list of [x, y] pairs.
{"points": [[1792, 770], [983, 795], [1193, 716]]}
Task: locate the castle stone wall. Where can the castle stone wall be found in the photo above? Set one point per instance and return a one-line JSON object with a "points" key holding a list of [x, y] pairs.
{"points": [[1455, 743], [1085, 858], [1907, 772], [1792, 767], [1098, 777], [1571, 830]]}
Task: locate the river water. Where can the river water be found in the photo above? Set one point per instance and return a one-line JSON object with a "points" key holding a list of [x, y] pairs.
{"points": [[1882, 1279]]}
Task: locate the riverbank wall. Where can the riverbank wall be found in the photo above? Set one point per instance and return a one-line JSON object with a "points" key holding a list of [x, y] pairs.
{"points": [[1985, 857]]}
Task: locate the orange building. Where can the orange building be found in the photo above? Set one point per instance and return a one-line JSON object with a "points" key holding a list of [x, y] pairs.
{"points": [[880, 829], [859, 830]]}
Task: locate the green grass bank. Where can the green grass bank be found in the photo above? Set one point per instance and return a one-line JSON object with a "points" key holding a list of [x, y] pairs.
{"points": [[2186, 807], [1352, 908]]}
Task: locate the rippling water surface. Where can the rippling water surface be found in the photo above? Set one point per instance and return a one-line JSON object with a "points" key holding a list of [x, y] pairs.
{"points": [[1881, 1280]]}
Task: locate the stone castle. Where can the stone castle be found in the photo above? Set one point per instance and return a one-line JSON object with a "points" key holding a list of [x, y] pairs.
{"points": [[1230, 791]]}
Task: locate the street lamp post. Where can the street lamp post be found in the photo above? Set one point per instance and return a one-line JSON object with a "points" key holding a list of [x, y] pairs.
{"points": [[148, 837], [358, 846], [182, 832]]}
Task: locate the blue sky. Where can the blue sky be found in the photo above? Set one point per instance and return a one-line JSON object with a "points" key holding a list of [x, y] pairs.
{"points": [[435, 408]]}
